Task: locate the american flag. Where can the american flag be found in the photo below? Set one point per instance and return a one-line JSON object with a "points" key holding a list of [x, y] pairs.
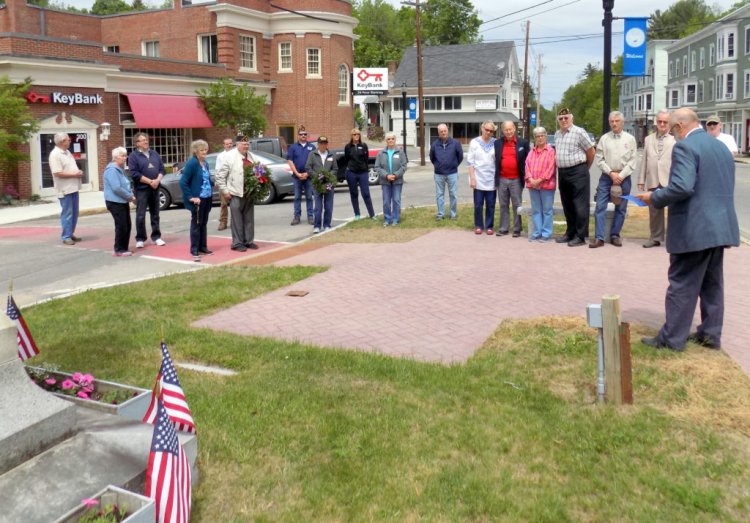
{"points": [[167, 388], [168, 472], [26, 346]]}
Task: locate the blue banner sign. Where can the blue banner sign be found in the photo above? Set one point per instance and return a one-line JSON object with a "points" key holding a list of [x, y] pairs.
{"points": [[533, 117], [634, 51], [412, 108]]}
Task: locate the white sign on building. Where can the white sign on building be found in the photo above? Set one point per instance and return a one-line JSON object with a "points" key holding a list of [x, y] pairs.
{"points": [[485, 105], [370, 80]]}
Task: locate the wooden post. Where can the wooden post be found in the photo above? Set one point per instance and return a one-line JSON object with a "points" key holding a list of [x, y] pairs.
{"points": [[612, 358], [626, 373]]}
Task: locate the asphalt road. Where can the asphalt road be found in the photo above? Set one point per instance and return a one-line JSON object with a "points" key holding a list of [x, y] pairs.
{"points": [[41, 268]]}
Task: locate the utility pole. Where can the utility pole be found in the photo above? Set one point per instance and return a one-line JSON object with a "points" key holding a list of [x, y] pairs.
{"points": [[608, 5], [420, 87], [539, 69], [526, 101]]}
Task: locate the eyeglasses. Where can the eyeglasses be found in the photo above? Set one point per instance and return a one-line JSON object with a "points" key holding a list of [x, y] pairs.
{"points": [[488, 130], [563, 118], [356, 134], [540, 136], [389, 139], [662, 121]]}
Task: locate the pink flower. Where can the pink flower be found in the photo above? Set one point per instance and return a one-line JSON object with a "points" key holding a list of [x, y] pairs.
{"points": [[90, 502], [50, 381], [82, 394], [68, 384], [76, 377], [88, 390], [86, 380]]}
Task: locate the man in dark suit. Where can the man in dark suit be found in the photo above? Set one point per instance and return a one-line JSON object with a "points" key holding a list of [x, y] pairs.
{"points": [[701, 223], [510, 172]]}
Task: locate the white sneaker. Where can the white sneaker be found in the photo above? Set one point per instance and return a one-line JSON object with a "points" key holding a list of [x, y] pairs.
{"points": [[139, 245], [160, 242], [316, 230]]}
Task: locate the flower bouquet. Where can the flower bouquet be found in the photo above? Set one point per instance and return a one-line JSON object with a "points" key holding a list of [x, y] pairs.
{"points": [[112, 505], [323, 181], [257, 183]]}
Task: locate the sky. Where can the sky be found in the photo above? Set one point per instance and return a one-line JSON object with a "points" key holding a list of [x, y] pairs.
{"points": [[565, 34], [556, 21]]}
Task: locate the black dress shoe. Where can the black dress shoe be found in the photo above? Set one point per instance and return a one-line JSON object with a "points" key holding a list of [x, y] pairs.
{"points": [[616, 241], [239, 248], [651, 243], [501, 233], [658, 344], [703, 341], [516, 234], [596, 244], [563, 239], [251, 245], [206, 252], [576, 242]]}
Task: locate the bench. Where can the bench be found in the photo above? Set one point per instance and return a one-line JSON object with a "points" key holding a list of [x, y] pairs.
{"points": [[558, 211]]}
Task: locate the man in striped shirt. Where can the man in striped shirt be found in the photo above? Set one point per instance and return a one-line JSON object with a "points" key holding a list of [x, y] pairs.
{"points": [[575, 153]]}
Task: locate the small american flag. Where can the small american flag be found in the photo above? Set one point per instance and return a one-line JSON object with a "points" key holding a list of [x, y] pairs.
{"points": [[168, 472], [167, 389], [26, 346]]}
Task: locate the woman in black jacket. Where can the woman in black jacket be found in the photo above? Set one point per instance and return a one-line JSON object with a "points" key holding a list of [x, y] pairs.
{"points": [[355, 158]]}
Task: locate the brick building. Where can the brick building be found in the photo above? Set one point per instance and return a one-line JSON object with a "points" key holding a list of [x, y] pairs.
{"points": [[140, 71]]}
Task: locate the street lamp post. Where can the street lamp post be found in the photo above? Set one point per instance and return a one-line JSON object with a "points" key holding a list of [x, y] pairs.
{"points": [[608, 5], [403, 114]]}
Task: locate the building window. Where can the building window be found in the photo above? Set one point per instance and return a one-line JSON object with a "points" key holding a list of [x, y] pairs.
{"points": [[700, 91], [285, 56], [711, 54], [433, 103], [343, 84], [702, 58], [710, 90], [729, 94], [171, 144], [685, 65], [111, 48], [747, 40], [313, 61], [690, 94], [208, 49], [397, 105], [503, 99], [639, 103], [747, 84], [452, 103], [674, 98], [693, 63], [247, 52], [649, 105], [677, 68], [671, 69], [150, 48]]}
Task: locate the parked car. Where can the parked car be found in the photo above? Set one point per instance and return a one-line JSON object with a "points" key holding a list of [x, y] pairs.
{"points": [[269, 144], [372, 176], [281, 178]]}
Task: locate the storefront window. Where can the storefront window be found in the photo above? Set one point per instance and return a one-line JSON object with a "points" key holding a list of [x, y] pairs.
{"points": [[171, 144]]}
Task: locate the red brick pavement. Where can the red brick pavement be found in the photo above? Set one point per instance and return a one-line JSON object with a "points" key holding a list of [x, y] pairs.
{"points": [[439, 297]]}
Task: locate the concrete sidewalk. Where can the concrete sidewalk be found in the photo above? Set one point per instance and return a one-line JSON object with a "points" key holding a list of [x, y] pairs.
{"points": [[457, 287], [89, 202]]}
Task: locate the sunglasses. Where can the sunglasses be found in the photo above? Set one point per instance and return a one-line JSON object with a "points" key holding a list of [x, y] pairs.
{"points": [[712, 124]]}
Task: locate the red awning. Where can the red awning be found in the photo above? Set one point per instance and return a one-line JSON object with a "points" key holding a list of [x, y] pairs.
{"points": [[160, 111]]}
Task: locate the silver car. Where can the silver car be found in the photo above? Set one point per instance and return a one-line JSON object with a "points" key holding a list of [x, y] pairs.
{"points": [[281, 179]]}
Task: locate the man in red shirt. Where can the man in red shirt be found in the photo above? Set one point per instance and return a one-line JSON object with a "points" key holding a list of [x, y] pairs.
{"points": [[510, 172]]}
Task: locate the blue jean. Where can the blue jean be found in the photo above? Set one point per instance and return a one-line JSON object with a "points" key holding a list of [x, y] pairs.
{"points": [[600, 213], [359, 179], [321, 201], [392, 202], [542, 212], [451, 180], [482, 198], [301, 186], [69, 214]]}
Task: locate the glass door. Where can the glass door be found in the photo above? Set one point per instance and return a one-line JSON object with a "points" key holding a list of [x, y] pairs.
{"points": [[78, 148]]}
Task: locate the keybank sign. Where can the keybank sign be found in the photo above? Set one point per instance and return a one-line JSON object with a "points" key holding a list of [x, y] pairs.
{"points": [[77, 98]]}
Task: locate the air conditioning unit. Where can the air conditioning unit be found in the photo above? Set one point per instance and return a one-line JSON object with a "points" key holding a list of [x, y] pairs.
{"points": [[728, 96]]}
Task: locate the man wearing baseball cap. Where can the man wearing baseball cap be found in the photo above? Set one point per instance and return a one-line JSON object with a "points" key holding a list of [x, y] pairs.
{"points": [[713, 127]]}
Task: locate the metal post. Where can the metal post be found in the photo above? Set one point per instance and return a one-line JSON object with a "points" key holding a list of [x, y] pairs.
{"points": [[403, 114], [607, 72]]}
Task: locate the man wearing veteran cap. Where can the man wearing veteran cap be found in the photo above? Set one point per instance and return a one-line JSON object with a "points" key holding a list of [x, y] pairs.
{"points": [[297, 158], [230, 178], [713, 127], [616, 158], [574, 154], [317, 161]]}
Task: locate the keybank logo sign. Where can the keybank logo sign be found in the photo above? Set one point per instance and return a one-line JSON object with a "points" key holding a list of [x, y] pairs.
{"points": [[77, 98], [67, 99]]}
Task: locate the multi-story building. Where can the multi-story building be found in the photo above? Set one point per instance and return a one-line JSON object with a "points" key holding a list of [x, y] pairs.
{"points": [[463, 86], [642, 96], [101, 79], [704, 70]]}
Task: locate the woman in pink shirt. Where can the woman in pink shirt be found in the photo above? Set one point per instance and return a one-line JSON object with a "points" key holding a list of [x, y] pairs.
{"points": [[540, 181]]}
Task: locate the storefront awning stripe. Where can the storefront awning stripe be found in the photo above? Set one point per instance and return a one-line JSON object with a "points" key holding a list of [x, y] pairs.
{"points": [[164, 111]]}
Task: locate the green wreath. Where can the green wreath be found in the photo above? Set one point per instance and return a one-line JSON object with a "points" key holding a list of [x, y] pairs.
{"points": [[257, 183], [324, 181]]}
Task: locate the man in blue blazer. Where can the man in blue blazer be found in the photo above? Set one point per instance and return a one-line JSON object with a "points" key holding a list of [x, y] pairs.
{"points": [[702, 222]]}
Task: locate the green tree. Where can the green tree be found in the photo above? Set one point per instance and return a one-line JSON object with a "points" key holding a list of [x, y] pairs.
{"points": [[138, 5], [16, 122], [110, 7], [384, 32], [450, 22], [584, 98], [235, 106], [683, 18]]}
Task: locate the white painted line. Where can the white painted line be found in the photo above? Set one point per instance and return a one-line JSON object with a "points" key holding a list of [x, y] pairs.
{"points": [[203, 368]]}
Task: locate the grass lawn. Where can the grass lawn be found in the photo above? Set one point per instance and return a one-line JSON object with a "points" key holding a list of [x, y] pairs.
{"points": [[514, 434]]}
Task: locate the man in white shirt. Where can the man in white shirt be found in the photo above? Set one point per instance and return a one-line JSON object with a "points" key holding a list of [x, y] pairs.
{"points": [[220, 158], [67, 179], [713, 127]]}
